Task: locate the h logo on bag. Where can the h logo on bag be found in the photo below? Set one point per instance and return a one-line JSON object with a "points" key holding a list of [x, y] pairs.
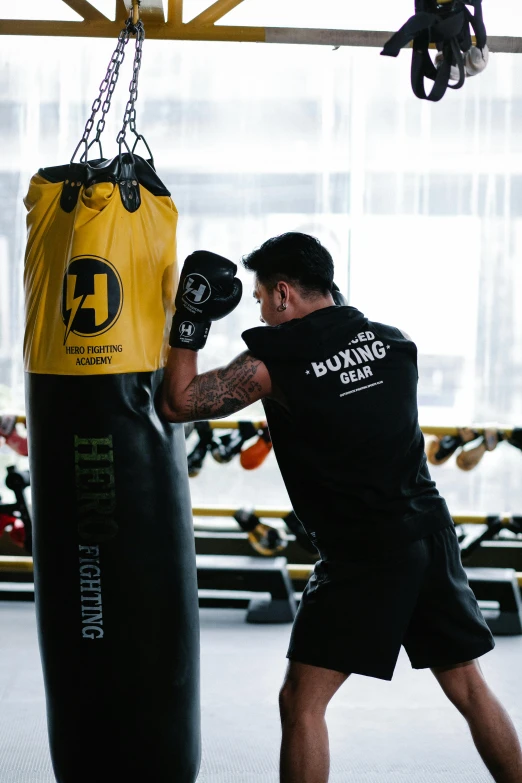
{"points": [[196, 289], [92, 297]]}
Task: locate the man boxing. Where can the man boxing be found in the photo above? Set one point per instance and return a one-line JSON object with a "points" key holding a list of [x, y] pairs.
{"points": [[340, 395]]}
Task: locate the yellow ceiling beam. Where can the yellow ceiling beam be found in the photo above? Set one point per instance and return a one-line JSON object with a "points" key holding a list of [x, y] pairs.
{"points": [[150, 10], [86, 10], [203, 27], [175, 12], [121, 11], [110, 29]]}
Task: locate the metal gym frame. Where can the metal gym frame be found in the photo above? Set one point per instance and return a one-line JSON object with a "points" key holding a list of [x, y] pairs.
{"points": [[163, 19], [438, 430], [24, 565]]}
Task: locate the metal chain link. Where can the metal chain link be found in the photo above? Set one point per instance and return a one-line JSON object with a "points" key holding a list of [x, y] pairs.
{"points": [[107, 88], [110, 81], [129, 117]]}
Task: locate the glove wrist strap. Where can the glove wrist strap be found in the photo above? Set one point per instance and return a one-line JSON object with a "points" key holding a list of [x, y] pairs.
{"points": [[185, 333]]}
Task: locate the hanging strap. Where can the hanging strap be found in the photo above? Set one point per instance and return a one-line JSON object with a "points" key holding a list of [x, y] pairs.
{"points": [[449, 28], [476, 21], [422, 67]]}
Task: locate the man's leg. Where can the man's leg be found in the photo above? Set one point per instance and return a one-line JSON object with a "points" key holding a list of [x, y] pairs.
{"points": [[304, 697], [491, 727]]}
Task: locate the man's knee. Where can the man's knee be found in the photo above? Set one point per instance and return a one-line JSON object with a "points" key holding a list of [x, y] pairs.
{"points": [[307, 690], [288, 701], [463, 684], [294, 705]]}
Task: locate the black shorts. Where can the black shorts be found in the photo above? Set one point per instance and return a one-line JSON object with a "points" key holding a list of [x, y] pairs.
{"points": [[354, 616]]}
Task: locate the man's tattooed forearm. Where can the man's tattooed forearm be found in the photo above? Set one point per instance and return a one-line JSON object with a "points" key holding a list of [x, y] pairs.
{"points": [[222, 392]]}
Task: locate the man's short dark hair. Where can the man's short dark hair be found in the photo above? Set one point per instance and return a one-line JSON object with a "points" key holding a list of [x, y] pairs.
{"points": [[298, 259]]}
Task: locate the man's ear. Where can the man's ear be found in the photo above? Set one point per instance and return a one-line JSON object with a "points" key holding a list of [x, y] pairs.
{"points": [[283, 289]]}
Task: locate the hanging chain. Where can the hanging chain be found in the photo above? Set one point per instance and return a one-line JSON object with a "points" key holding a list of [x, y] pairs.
{"points": [[111, 80], [129, 117], [108, 86]]}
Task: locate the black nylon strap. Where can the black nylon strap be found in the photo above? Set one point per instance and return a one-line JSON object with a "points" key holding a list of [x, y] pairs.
{"points": [[422, 67], [419, 68], [476, 21], [450, 30], [458, 56], [414, 25]]}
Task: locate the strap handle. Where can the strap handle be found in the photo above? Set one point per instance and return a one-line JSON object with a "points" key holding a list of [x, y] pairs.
{"points": [[422, 67]]}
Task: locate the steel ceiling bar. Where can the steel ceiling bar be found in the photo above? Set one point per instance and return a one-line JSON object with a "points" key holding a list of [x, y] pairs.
{"points": [[202, 28]]}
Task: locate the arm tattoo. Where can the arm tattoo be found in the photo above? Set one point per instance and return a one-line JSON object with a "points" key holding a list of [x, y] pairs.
{"points": [[221, 392]]}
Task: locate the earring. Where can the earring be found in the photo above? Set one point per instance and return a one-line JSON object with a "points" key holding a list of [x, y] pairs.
{"points": [[281, 307]]}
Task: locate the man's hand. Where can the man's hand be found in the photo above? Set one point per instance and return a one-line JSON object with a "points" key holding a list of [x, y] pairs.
{"points": [[208, 290], [187, 396]]}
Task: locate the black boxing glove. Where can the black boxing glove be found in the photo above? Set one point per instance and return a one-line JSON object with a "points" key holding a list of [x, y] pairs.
{"points": [[208, 290], [339, 298], [7, 425]]}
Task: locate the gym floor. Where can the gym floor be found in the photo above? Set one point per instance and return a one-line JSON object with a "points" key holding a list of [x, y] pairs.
{"points": [[403, 731]]}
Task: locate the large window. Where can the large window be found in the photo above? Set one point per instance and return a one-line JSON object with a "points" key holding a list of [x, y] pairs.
{"points": [[420, 205]]}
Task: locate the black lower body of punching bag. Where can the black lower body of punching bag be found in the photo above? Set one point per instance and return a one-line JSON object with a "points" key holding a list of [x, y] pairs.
{"points": [[115, 580]]}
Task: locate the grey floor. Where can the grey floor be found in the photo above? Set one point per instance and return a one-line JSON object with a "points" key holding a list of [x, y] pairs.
{"points": [[400, 731]]}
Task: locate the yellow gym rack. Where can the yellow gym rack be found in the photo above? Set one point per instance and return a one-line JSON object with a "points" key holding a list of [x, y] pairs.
{"points": [[163, 19]]}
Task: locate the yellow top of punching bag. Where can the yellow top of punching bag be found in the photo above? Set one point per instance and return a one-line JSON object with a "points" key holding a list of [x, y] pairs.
{"points": [[99, 279]]}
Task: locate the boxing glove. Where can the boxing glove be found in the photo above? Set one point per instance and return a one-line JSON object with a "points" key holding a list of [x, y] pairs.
{"points": [[227, 446], [440, 450], [7, 425], [266, 540], [516, 438], [197, 456], [16, 529], [470, 458], [208, 290], [17, 534], [254, 456], [18, 443], [6, 520]]}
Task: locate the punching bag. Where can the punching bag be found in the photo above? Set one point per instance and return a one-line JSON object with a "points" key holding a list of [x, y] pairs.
{"points": [[114, 556]]}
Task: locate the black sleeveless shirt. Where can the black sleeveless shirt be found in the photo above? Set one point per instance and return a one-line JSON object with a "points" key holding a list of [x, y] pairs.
{"points": [[344, 425]]}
